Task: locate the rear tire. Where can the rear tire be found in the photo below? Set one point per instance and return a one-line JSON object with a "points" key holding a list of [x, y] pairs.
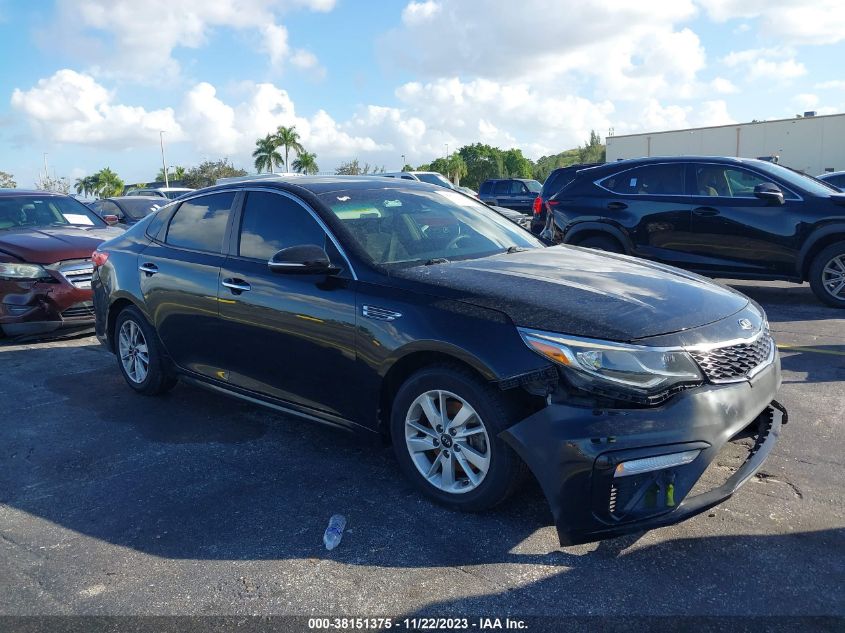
{"points": [[827, 275], [602, 243], [139, 355], [469, 467]]}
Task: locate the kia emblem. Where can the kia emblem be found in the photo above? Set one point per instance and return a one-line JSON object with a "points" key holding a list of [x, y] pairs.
{"points": [[745, 324]]}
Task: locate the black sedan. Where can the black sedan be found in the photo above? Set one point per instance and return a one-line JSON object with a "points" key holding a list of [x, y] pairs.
{"points": [[405, 310], [127, 209], [721, 217]]}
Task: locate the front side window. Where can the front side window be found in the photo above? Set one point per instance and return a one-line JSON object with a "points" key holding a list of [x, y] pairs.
{"points": [[397, 226], [200, 224], [726, 182], [271, 222], [655, 180], [502, 187], [44, 212], [533, 186]]}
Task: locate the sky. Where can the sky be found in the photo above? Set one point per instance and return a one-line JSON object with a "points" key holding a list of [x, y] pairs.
{"points": [[92, 83]]}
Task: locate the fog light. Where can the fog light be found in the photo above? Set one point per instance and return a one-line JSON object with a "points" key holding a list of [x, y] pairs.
{"points": [[648, 464]]}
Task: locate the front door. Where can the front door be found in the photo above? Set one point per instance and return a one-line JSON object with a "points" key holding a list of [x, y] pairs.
{"points": [[287, 336], [179, 279], [734, 231]]}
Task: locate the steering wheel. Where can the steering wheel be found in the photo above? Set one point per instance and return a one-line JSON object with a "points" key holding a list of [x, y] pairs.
{"points": [[453, 243]]}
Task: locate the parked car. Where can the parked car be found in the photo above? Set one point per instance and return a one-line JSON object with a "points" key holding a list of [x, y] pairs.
{"points": [[721, 217], [431, 177], [514, 193], [405, 311], [556, 180], [127, 209], [467, 191], [46, 240], [171, 193], [835, 178]]}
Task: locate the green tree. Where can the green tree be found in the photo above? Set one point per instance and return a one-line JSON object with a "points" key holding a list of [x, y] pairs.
{"points": [[265, 154], [483, 162], [51, 183], [440, 165], [86, 185], [176, 172], [456, 168], [306, 163], [7, 181], [206, 173], [407, 168], [354, 168], [545, 164], [594, 151], [516, 165], [108, 183], [288, 138]]}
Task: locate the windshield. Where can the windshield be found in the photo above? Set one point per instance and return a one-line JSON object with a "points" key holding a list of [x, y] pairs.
{"points": [[175, 194], [807, 183], [394, 225], [34, 211], [435, 179], [137, 208], [533, 186]]}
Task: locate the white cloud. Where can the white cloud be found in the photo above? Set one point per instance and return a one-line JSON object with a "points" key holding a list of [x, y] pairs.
{"points": [[139, 37], [833, 84], [805, 101], [773, 64], [723, 86], [70, 107], [790, 22], [419, 12]]}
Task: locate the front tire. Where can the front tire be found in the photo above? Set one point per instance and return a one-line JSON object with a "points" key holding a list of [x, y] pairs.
{"points": [[445, 423], [602, 243], [139, 354], [827, 275]]}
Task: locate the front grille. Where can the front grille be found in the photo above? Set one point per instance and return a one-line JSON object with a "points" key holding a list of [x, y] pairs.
{"points": [[84, 309], [78, 274], [735, 362]]}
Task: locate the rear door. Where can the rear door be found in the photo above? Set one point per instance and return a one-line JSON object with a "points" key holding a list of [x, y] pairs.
{"points": [[733, 230], [288, 336], [179, 279], [649, 202]]}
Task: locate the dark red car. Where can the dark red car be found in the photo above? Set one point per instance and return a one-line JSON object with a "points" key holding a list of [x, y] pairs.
{"points": [[46, 241]]}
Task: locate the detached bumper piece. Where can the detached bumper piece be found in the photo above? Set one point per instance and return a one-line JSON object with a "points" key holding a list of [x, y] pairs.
{"points": [[637, 469]]}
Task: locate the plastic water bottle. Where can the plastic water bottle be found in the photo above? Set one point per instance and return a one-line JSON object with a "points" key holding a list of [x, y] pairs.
{"points": [[334, 532]]}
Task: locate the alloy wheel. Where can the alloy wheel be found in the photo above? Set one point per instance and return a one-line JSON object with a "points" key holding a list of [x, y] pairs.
{"points": [[833, 277], [134, 354], [447, 441]]}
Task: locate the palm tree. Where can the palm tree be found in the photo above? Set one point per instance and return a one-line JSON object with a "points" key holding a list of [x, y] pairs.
{"points": [[265, 154], [288, 138], [86, 185], [173, 173], [108, 183], [456, 168], [306, 163]]}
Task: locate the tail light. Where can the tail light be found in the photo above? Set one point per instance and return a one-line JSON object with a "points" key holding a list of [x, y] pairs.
{"points": [[99, 258], [538, 205]]}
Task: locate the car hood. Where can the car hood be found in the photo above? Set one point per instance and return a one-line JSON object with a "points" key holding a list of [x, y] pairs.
{"points": [[584, 292], [54, 244]]}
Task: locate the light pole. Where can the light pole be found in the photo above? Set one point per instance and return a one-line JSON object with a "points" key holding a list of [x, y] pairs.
{"points": [[45, 167], [403, 162], [447, 150], [163, 160]]}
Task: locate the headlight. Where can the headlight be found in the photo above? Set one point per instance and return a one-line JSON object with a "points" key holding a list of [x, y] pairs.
{"points": [[22, 271], [615, 368]]}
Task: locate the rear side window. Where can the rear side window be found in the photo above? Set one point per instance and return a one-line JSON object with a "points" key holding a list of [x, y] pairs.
{"points": [[271, 222], [836, 181], [654, 180], [200, 223], [502, 187], [557, 181], [486, 187]]}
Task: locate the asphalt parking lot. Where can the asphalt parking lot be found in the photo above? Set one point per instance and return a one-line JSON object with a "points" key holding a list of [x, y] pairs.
{"points": [[112, 503]]}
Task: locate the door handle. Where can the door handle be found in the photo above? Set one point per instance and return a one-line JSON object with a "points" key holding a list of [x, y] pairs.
{"points": [[148, 268], [236, 285], [616, 206], [705, 212]]}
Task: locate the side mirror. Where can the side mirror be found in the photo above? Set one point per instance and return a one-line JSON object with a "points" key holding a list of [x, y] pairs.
{"points": [[308, 259], [110, 219], [769, 192]]}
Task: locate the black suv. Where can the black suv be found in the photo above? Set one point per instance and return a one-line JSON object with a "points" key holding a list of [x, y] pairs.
{"points": [[722, 217], [555, 181], [512, 193], [403, 309]]}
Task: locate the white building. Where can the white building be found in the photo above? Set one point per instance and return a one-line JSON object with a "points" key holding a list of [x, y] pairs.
{"points": [[811, 144]]}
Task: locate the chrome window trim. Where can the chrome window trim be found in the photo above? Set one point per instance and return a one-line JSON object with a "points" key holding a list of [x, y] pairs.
{"points": [[313, 214]]}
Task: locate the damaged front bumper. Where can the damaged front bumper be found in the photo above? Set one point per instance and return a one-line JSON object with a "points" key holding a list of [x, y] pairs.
{"points": [[608, 472]]}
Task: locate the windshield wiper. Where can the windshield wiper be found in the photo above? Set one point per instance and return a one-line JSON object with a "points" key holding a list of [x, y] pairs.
{"points": [[515, 249], [437, 260]]}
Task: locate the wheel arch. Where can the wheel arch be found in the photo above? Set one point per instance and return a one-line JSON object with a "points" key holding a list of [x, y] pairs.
{"points": [[815, 243], [115, 308], [583, 230]]}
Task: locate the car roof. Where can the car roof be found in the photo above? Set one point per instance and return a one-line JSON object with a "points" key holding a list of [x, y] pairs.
{"points": [[828, 174], [32, 192], [156, 198], [324, 184]]}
